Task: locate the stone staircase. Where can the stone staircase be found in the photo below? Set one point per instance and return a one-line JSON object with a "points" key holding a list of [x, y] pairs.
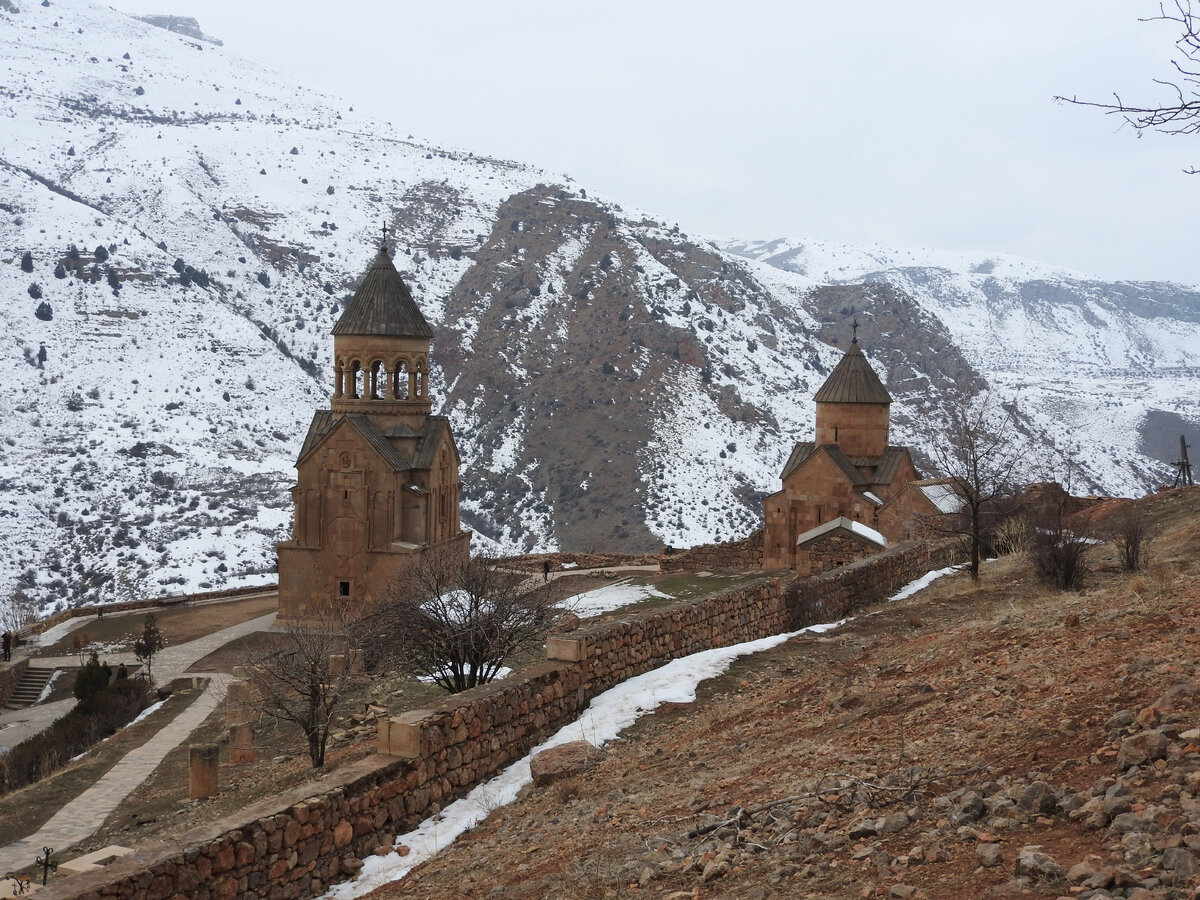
{"points": [[29, 688]]}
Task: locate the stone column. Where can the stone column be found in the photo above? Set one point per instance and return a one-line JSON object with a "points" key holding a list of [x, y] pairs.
{"points": [[204, 763]]}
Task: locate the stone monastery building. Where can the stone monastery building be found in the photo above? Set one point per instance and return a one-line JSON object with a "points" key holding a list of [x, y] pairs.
{"points": [[848, 493], [377, 477]]}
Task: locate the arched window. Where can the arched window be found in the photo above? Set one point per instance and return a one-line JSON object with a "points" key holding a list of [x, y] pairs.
{"points": [[400, 379], [378, 380], [356, 379]]}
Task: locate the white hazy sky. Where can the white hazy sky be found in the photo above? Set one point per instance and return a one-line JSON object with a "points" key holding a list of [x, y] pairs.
{"points": [[921, 124]]}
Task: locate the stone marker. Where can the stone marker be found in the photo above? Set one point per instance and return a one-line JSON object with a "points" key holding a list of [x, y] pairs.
{"points": [[204, 762], [241, 744]]}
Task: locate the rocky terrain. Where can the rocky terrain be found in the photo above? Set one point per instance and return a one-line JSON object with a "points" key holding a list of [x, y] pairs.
{"points": [[999, 740], [180, 229]]}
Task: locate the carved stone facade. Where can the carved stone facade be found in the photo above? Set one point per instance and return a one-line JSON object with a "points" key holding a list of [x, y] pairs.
{"points": [[850, 471], [377, 476]]}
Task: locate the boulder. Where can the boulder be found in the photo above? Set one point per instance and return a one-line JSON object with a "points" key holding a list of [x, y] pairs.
{"points": [[1033, 861], [989, 855], [1142, 748], [563, 761]]}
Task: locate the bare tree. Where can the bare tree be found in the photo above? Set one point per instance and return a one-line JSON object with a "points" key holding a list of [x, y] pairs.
{"points": [[18, 612], [1131, 534], [1180, 113], [303, 677], [975, 441], [455, 620]]}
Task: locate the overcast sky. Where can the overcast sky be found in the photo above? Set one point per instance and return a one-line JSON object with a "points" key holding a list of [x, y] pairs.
{"points": [[922, 124]]}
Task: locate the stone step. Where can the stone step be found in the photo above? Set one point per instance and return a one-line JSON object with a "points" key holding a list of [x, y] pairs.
{"points": [[29, 688]]}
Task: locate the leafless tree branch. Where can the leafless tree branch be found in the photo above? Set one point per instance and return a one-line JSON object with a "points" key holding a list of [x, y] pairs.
{"points": [[1180, 114]]}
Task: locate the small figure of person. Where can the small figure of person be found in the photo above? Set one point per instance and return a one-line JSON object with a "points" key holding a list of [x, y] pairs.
{"points": [[122, 672], [6, 642], [107, 670], [545, 570]]}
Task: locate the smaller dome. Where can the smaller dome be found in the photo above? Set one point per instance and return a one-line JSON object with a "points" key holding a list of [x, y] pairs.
{"points": [[383, 305], [853, 381]]}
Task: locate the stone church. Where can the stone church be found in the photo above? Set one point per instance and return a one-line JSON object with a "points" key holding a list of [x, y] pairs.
{"points": [[849, 493], [377, 476]]}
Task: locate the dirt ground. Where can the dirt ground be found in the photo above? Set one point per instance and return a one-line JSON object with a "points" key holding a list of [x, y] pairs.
{"points": [[1006, 681]]}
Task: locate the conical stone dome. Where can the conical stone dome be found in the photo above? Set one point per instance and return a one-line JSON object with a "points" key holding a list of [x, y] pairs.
{"points": [[383, 305]]}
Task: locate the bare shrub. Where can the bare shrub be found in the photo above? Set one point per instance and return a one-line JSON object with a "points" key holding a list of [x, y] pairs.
{"points": [[1131, 534], [1060, 556], [455, 620], [1010, 536]]}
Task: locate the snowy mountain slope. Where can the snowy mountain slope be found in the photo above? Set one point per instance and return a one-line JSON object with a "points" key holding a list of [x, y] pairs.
{"points": [[194, 224], [1090, 362]]}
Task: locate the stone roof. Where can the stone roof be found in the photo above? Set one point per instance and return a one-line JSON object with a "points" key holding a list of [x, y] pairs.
{"points": [[322, 422], [423, 458], [853, 381], [803, 451], [379, 443], [858, 529], [383, 305]]}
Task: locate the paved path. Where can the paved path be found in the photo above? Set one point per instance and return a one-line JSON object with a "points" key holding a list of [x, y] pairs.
{"points": [[80, 817]]}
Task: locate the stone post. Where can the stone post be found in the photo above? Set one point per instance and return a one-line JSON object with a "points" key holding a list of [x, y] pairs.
{"points": [[204, 763], [241, 744]]}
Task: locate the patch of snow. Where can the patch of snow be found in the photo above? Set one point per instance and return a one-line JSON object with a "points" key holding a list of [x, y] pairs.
{"points": [[921, 583], [610, 597]]}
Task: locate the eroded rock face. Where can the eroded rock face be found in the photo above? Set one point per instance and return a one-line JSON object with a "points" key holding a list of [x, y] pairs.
{"points": [[563, 761]]}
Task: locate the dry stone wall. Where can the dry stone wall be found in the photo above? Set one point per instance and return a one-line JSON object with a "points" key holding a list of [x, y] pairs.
{"points": [[744, 554], [295, 845]]}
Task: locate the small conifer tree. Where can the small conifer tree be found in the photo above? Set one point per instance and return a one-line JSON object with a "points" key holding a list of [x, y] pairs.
{"points": [[149, 642]]}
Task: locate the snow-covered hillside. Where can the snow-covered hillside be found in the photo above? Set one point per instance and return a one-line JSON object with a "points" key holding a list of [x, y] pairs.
{"points": [[1108, 370], [180, 228]]}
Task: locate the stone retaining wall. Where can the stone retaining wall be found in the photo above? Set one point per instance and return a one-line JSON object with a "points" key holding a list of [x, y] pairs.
{"points": [[294, 845], [532, 562], [10, 676], [744, 554]]}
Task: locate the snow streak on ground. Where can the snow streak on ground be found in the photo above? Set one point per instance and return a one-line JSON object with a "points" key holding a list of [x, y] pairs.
{"points": [[605, 718]]}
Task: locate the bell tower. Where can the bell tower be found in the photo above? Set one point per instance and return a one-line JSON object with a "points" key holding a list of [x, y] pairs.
{"points": [[381, 351], [377, 477]]}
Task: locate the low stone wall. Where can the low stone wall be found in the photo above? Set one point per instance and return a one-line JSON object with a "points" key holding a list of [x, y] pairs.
{"points": [[10, 675], [744, 554], [838, 593], [532, 562], [76, 612], [295, 845]]}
